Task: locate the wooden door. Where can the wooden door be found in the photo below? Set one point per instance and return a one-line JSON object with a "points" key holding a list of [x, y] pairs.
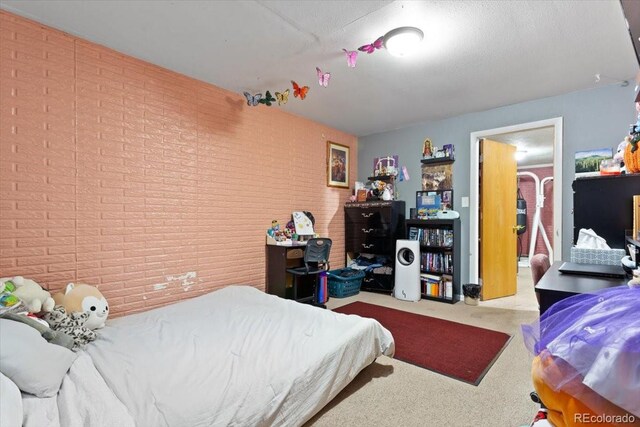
{"points": [[498, 235]]}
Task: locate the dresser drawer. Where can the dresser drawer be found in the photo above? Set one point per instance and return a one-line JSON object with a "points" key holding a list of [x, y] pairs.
{"points": [[372, 245], [369, 217], [362, 232], [377, 282]]}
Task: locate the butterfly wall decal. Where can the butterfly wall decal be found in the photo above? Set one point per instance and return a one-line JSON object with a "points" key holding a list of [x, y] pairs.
{"points": [[282, 97], [252, 100], [298, 91], [352, 56], [323, 78], [268, 99], [370, 48]]}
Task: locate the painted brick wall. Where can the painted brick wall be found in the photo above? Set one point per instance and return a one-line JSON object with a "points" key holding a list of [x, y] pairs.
{"points": [[151, 185], [528, 188]]}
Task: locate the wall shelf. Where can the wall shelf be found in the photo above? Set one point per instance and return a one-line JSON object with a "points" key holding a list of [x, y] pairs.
{"points": [[386, 178], [437, 161]]}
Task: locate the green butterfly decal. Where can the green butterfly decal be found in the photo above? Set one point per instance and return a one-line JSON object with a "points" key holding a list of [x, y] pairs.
{"points": [[268, 99]]}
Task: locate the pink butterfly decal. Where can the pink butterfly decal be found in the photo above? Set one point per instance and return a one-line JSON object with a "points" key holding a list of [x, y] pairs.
{"points": [[370, 48], [352, 56], [323, 78]]}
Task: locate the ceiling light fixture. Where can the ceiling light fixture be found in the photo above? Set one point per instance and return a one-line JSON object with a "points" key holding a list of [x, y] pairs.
{"points": [[520, 155], [402, 41]]}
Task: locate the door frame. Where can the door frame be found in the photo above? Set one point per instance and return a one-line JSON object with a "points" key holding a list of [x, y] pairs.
{"points": [[474, 187]]}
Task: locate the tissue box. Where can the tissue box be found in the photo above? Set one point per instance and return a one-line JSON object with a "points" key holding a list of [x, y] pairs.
{"points": [[597, 256]]}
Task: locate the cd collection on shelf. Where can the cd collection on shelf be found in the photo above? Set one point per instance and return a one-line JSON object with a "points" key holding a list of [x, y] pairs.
{"points": [[431, 262], [438, 237]]}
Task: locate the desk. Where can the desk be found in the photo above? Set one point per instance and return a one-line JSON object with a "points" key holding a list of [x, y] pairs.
{"points": [[278, 281], [555, 286]]}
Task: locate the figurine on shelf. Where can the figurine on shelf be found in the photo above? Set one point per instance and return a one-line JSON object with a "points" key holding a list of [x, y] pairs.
{"points": [[387, 193], [427, 148], [448, 151]]}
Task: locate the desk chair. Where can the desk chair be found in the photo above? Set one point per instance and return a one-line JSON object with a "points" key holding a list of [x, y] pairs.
{"points": [[539, 265], [316, 260]]}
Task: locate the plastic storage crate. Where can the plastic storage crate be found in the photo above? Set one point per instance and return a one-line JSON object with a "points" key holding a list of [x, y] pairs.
{"points": [[341, 286]]}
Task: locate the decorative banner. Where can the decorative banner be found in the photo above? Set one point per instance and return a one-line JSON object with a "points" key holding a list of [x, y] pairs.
{"points": [[323, 78], [370, 48], [352, 57], [404, 176], [283, 97], [298, 91], [252, 100]]}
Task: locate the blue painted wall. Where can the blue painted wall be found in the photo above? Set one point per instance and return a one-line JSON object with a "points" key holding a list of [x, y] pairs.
{"points": [[594, 118]]}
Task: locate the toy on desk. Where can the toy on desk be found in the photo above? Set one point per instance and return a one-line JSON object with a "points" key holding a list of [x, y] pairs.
{"points": [[280, 234], [275, 227]]}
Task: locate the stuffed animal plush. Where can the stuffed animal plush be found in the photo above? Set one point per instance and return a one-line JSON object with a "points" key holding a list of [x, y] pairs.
{"points": [[84, 299], [54, 337], [33, 297], [73, 324]]}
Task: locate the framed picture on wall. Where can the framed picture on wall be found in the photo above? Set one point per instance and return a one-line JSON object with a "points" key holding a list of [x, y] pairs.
{"points": [[337, 165], [588, 162]]}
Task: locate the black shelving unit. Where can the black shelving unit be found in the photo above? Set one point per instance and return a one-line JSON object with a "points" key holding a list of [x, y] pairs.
{"points": [[440, 247], [386, 178]]}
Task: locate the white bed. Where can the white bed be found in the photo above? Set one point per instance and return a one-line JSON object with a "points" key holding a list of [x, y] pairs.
{"points": [[233, 357]]}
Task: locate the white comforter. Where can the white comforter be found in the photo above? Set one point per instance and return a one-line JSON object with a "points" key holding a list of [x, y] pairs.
{"points": [[233, 357]]}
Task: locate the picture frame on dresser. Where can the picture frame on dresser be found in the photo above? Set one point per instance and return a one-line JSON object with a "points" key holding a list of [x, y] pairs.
{"points": [[337, 165]]}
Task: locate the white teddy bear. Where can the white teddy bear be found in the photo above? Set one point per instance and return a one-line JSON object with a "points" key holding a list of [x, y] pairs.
{"points": [[34, 298]]}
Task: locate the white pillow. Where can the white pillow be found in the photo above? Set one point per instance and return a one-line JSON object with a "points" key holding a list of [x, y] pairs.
{"points": [[33, 364], [10, 403]]}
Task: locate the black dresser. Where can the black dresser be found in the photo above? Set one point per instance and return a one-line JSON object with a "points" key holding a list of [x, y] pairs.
{"points": [[371, 231]]}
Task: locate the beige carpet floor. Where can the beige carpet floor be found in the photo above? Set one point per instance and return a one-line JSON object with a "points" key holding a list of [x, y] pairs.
{"points": [[393, 393]]}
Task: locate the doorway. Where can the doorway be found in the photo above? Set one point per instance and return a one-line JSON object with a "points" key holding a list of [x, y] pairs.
{"points": [[554, 125]]}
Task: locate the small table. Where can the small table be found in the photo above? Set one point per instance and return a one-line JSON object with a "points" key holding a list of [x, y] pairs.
{"points": [[555, 286]]}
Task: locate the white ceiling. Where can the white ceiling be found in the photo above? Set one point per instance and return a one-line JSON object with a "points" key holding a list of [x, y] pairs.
{"points": [[537, 145], [476, 55]]}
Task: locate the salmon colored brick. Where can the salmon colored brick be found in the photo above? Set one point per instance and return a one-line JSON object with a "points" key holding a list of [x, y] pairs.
{"points": [[151, 185]]}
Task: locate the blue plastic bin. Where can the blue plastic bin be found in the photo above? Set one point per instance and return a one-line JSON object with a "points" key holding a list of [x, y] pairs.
{"points": [[342, 287]]}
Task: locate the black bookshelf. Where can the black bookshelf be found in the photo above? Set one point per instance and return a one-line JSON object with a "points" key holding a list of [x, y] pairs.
{"points": [[439, 256]]}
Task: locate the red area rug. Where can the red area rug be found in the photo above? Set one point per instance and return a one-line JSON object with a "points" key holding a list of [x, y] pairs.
{"points": [[453, 349]]}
